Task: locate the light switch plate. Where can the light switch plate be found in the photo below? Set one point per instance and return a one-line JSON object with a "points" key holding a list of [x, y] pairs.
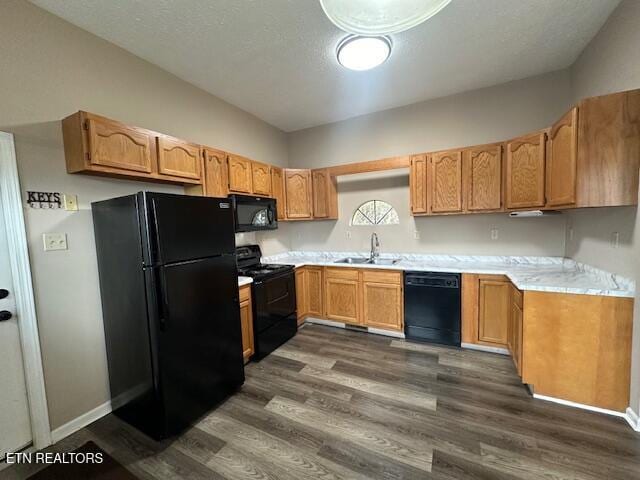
{"points": [[494, 234], [54, 241], [70, 202]]}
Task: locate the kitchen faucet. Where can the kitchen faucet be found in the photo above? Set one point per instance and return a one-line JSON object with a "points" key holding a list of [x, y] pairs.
{"points": [[375, 247]]}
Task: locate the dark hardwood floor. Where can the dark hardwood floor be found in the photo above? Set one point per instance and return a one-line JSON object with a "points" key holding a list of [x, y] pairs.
{"points": [[338, 404]]}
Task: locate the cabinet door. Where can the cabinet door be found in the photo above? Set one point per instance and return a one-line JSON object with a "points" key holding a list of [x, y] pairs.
{"points": [[446, 182], [483, 166], [246, 322], [562, 160], [314, 298], [382, 305], [320, 183], [261, 177], [418, 184], [178, 158], [525, 172], [301, 294], [494, 311], [277, 191], [298, 193], [516, 347], [113, 145], [216, 180], [342, 297], [240, 174]]}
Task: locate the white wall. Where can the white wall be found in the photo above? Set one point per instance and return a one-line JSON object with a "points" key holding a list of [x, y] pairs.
{"points": [[611, 63], [51, 69], [481, 116]]}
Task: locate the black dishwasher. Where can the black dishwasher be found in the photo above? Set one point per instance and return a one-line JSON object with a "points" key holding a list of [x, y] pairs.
{"points": [[432, 307]]}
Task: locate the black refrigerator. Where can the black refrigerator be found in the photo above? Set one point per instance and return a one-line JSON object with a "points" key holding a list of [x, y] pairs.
{"points": [[169, 288]]}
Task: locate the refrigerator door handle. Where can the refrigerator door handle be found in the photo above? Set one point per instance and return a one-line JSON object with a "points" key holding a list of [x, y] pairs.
{"points": [[158, 288]]}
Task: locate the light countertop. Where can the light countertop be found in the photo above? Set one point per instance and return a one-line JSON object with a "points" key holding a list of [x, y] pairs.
{"points": [[244, 281], [546, 274]]}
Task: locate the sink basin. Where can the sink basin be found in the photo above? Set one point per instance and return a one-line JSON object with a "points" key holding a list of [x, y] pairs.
{"points": [[363, 260], [353, 260], [384, 261]]}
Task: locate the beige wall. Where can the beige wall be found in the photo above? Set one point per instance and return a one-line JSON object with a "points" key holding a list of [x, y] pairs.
{"points": [[481, 116], [49, 70], [610, 63]]}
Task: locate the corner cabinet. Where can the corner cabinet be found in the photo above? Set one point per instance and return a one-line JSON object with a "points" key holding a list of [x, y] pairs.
{"points": [[562, 158], [216, 174], [445, 180], [325, 195], [298, 194], [525, 172]]}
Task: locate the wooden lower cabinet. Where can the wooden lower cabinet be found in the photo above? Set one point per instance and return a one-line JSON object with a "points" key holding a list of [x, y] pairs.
{"points": [[301, 294], [515, 328], [342, 295], [246, 321], [382, 300], [486, 310], [314, 288]]}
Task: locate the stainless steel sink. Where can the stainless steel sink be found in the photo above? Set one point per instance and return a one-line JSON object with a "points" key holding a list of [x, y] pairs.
{"points": [[384, 261], [362, 260], [353, 260]]}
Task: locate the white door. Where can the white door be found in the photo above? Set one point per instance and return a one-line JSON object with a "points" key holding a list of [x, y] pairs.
{"points": [[15, 424]]}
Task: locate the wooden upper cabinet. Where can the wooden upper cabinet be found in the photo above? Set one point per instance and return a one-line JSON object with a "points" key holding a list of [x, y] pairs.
{"points": [[446, 182], [483, 182], [562, 157], [325, 195], [277, 192], [525, 181], [216, 179], [298, 193], [240, 174], [418, 183], [261, 178], [494, 310], [114, 145], [179, 158]]}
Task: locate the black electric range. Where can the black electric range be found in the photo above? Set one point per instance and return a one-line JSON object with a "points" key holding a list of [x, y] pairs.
{"points": [[273, 293]]}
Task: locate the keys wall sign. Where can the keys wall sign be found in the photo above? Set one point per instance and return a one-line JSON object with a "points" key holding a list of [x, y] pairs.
{"points": [[44, 199]]}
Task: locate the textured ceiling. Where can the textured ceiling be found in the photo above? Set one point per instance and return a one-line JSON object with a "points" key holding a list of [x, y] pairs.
{"points": [[276, 58]]}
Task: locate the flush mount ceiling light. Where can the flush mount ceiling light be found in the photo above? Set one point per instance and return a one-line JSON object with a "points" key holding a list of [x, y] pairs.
{"points": [[380, 17], [363, 53]]}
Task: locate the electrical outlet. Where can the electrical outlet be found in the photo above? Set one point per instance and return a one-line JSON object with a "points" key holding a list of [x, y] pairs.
{"points": [[54, 241], [70, 202], [615, 239], [348, 233], [494, 234], [416, 234]]}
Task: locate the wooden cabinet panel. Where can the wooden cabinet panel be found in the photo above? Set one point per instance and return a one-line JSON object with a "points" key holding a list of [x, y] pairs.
{"points": [[382, 305], [298, 193], [179, 158], [418, 184], [342, 300], [494, 311], [325, 194], [277, 192], [240, 174], [483, 167], [578, 347], [562, 157], [446, 182], [516, 338], [246, 322], [314, 287], [301, 294], [525, 177], [261, 178], [609, 150], [382, 276], [114, 145], [216, 179]]}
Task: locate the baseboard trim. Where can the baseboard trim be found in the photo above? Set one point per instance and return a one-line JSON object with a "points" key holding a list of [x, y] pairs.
{"points": [[581, 406], [80, 422], [633, 419], [485, 348], [375, 331]]}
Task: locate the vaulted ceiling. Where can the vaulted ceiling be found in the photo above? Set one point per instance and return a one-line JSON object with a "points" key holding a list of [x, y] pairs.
{"points": [[276, 58]]}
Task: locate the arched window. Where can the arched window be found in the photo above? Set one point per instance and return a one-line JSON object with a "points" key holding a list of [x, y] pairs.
{"points": [[375, 212]]}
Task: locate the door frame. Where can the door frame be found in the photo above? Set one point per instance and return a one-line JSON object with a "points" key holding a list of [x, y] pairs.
{"points": [[11, 197]]}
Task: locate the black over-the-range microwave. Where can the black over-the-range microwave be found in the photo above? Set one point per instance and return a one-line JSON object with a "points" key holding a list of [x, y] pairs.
{"points": [[254, 213]]}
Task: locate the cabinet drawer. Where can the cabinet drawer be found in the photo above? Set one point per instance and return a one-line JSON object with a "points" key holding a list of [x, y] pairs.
{"points": [[382, 276], [341, 272], [245, 293]]}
